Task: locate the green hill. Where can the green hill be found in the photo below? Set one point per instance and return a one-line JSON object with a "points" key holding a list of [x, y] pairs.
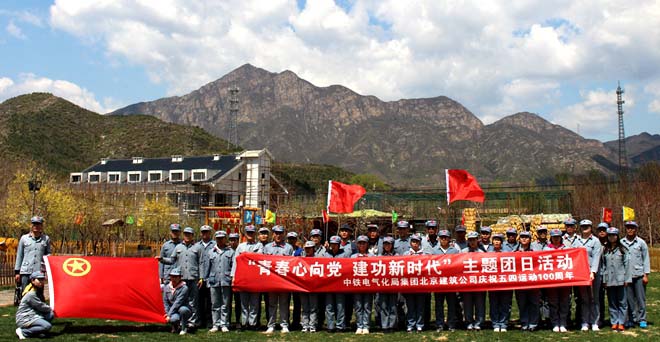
{"points": [[63, 137]]}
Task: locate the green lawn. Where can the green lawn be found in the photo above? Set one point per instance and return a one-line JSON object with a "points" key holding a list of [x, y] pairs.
{"points": [[99, 330]]}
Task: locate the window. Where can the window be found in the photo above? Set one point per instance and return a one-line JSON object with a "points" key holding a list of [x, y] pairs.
{"points": [[177, 159], [134, 177], [138, 160], [198, 175], [176, 176], [113, 177], [94, 178], [155, 176], [76, 178]]}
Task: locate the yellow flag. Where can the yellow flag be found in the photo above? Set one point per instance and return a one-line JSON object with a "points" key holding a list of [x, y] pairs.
{"points": [[628, 214], [140, 222], [270, 216]]}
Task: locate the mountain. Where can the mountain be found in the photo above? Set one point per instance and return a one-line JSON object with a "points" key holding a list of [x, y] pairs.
{"points": [[640, 148], [409, 141]]}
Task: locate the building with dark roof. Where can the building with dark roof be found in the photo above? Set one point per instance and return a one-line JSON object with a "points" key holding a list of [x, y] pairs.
{"points": [[190, 182]]}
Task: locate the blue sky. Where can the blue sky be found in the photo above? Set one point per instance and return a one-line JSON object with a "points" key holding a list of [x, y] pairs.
{"points": [[561, 60]]}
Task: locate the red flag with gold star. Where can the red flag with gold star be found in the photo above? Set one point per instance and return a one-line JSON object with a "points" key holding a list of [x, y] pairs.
{"points": [[126, 289]]}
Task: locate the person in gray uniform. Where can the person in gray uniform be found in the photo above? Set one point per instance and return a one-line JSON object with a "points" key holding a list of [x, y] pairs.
{"points": [[166, 251], [218, 278], [32, 247], [528, 300], [34, 316], [363, 300], [511, 243], [588, 294], [601, 234], [460, 242], [177, 305], [187, 257], [387, 301], [445, 248], [500, 301], [570, 237], [236, 296], [375, 240], [617, 274], [335, 303], [559, 297], [249, 300], [541, 238], [431, 243], [206, 244], [415, 301], [263, 238], [641, 268], [474, 302], [484, 242], [309, 301], [402, 243], [316, 236], [278, 299], [347, 243]]}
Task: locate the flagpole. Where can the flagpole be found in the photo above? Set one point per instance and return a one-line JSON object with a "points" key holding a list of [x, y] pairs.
{"points": [[327, 210]]}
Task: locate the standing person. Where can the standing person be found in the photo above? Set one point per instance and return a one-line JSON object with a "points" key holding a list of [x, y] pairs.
{"points": [[387, 301], [166, 251], [641, 268], [236, 296], [33, 315], [415, 301], [528, 300], [541, 238], [278, 299], [588, 294], [363, 300], [315, 235], [335, 303], [32, 247], [401, 247], [292, 240], [445, 248], [460, 242], [616, 276], [347, 243], [559, 297], [175, 300], [375, 240], [309, 300], [218, 279], [430, 245], [511, 243], [484, 243], [570, 238], [187, 257], [601, 230], [474, 302], [249, 300], [500, 301], [602, 237], [263, 240], [206, 244]]}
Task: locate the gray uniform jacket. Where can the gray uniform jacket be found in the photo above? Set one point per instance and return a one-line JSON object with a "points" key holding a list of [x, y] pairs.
{"points": [[401, 246], [340, 254], [205, 253], [569, 241], [460, 245], [31, 309], [360, 255], [319, 251], [539, 246], [165, 252], [430, 247], [487, 248], [30, 253], [594, 251], [509, 247], [245, 247], [219, 266], [274, 248], [450, 250], [470, 250], [349, 247], [616, 267], [638, 252], [376, 247], [174, 300], [188, 258]]}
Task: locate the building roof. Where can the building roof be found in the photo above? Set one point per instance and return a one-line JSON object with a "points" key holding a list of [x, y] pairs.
{"points": [[223, 164]]}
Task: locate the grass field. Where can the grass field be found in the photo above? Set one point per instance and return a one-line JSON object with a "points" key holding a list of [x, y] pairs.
{"points": [[100, 330]]}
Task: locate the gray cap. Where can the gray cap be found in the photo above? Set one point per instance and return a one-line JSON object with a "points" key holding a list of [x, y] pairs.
{"points": [[264, 230], [570, 222], [37, 220], [416, 237], [460, 228], [233, 236], [444, 232], [188, 230], [525, 234], [473, 235], [485, 229], [315, 232], [555, 232], [345, 226], [309, 244], [612, 231], [586, 223], [630, 224], [498, 236], [511, 231], [335, 239], [362, 238], [402, 224], [602, 225], [541, 229], [292, 235], [277, 229], [250, 229], [175, 272], [37, 275], [431, 224], [205, 228], [175, 227], [388, 239], [372, 226], [220, 234]]}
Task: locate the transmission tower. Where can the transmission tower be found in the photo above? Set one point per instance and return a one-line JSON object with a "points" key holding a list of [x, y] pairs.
{"points": [[233, 116], [623, 157]]}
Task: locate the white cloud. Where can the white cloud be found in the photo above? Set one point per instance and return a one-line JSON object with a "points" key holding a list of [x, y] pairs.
{"points": [[494, 57], [29, 83], [14, 30], [653, 89]]}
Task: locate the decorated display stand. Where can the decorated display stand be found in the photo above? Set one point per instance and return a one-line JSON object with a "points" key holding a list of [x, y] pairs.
{"points": [[230, 219]]}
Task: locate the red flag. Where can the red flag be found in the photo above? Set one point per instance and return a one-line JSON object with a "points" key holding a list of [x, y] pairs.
{"points": [[461, 185], [607, 215], [126, 289], [342, 197], [326, 217]]}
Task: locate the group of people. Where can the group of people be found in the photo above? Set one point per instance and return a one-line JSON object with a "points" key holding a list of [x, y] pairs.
{"points": [[197, 280]]}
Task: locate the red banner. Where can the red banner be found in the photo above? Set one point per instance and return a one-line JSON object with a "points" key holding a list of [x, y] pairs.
{"points": [[425, 273], [100, 287]]}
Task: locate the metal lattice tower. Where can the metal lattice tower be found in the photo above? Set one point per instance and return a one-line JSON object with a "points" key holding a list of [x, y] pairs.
{"points": [[233, 116], [623, 157]]}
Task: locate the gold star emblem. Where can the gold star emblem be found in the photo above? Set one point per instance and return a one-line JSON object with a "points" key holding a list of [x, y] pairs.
{"points": [[76, 267]]}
